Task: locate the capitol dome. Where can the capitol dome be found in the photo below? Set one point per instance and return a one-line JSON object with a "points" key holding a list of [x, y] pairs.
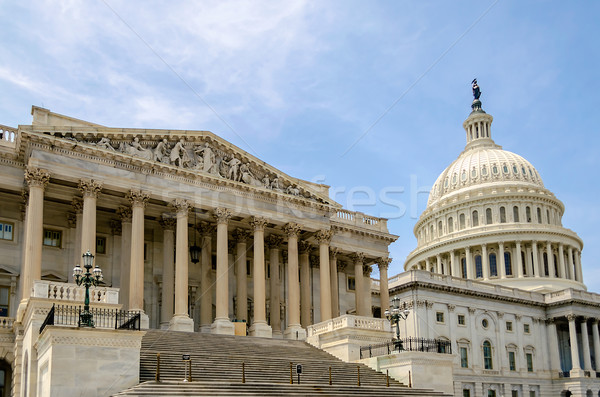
{"points": [[490, 217]]}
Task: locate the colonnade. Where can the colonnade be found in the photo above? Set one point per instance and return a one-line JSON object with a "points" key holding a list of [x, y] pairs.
{"points": [[508, 259], [174, 310], [582, 363]]}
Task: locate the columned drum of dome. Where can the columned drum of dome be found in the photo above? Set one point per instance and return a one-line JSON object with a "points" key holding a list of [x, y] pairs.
{"points": [[489, 217]]}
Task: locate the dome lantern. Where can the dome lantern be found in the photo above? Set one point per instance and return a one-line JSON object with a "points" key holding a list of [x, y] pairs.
{"points": [[478, 124]]}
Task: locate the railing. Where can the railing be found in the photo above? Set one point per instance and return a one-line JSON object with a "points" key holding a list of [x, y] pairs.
{"points": [[103, 318], [360, 219], [71, 292], [407, 344], [6, 322], [8, 136]]}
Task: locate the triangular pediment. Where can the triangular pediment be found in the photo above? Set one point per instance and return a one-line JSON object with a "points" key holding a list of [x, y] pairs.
{"points": [[181, 151], [8, 271], [53, 276]]}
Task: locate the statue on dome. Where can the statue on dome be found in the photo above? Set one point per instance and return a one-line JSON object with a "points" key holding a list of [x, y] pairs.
{"points": [[476, 90]]}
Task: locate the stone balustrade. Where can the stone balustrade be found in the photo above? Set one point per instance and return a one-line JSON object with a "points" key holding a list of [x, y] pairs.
{"points": [[8, 136], [361, 220], [6, 323], [350, 322], [73, 293]]}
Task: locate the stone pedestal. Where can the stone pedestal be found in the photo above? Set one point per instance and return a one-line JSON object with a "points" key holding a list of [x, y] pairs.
{"points": [[262, 330], [181, 323], [294, 333], [223, 327]]}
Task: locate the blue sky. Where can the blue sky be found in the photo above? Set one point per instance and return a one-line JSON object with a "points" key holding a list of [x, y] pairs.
{"points": [[368, 97]]}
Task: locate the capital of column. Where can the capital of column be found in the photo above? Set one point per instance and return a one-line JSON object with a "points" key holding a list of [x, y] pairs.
{"points": [[124, 213], [500, 314], [167, 222], [273, 241], [324, 236], [205, 229], [367, 270], [314, 261], [333, 252], [571, 317], [357, 257], [384, 263], [77, 204], [222, 215], [37, 177], [71, 220], [304, 247], [451, 307], [116, 228], [258, 223], [89, 187], [292, 229], [467, 250], [181, 206], [341, 266], [595, 321], [501, 244], [241, 235], [137, 198]]}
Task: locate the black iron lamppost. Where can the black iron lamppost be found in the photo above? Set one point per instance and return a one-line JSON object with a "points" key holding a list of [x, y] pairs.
{"points": [[395, 315], [87, 279]]}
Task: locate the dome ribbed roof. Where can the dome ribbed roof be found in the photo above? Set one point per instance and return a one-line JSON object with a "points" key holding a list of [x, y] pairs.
{"points": [[484, 165]]}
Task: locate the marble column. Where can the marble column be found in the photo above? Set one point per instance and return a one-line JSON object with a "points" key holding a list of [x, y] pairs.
{"points": [[470, 272], [367, 304], [293, 330], [427, 265], [305, 298], [570, 266], [125, 213], [562, 273], [181, 320], [574, 345], [359, 289], [485, 263], [77, 204], [222, 324], [454, 265], [519, 259], [206, 230], [168, 277], [579, 272], [335, 298], [323, 237], [241, 236], [273, 242], [536, 259], [596, 340], [501, 260], [89, 188], [585, 341], [36, 179], [553, 345], [551, 264], [259, 326], [138, 201], [384, 292]]}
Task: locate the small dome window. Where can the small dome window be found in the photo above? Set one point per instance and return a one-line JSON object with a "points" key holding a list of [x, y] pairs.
{"points": [[495, 169], [515, 170], [505, 169], [523, 170], [474, 173], [463, 176], [454, 178], [484, 170], [446, 182]]}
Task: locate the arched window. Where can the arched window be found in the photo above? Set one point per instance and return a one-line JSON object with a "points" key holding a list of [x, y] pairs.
{"points": [[507, 263], [502, 215], [487, 355], [493, 267], [488, 216], [478, 267], [461, 221], [516, 214], [450, 225], [440, 229], [539, 215], [546, 271], [475, 218], [463, 265], [528, 214]]}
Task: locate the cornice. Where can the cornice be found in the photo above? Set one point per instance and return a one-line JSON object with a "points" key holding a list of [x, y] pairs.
{"points": [[338, 226]]}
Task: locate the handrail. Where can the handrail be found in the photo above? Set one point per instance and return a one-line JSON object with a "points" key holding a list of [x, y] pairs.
{"points": [[66, 315], [49, 320], [407, 344]]}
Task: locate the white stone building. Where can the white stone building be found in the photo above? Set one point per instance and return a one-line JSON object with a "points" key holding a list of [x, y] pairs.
{"points": [[497, 274], [188, 229]]}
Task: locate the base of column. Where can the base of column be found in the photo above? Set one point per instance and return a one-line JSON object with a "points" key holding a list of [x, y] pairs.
{"points": [[294, 332], [577, 373], [222, 326], [165, 325], [206, 329], [181, 323], [261, 330], [144, 321], [277, 335]]}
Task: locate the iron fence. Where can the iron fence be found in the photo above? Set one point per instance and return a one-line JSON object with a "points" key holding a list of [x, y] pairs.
{"points": [[407, 344], [68, 315]]}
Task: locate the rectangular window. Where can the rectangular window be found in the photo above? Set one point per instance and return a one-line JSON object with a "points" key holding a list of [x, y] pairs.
{"points": [[526, 328], [529, 358], [509, 326], [100, 245], [514, 393], [491, 393], [52, 238], [4, 301], [6, 230], [461, 319], [466, 393], [532, 393], [464, 358], [511, 361], [351, 284], [439, 317]]}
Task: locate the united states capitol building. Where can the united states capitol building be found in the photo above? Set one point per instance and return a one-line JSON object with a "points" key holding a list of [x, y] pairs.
{"points": [[196, 235]]}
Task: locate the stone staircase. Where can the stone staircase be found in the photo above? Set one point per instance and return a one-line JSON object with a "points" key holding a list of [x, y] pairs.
{"points": [[217, 369]]}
